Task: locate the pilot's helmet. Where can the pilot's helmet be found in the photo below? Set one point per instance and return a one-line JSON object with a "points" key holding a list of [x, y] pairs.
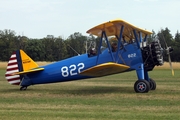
{"points": [[93, 50]]}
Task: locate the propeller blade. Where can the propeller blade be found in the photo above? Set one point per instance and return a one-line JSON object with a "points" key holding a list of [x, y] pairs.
{"points": [[170, 64], [168, 50], [164, 41]]}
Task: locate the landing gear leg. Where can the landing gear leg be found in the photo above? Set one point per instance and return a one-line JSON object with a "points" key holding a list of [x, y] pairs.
{"points": [[23, 88], [142, 85]]}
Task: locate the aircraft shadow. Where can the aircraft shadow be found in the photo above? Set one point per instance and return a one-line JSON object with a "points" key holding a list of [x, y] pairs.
{"points": [[96, 90], [76, 91]]}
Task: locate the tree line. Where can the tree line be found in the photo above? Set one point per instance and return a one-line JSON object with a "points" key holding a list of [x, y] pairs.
{"points": [[52, 48]]}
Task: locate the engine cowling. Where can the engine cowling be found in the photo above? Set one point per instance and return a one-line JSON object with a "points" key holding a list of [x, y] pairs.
{"points": [[152, 55]]}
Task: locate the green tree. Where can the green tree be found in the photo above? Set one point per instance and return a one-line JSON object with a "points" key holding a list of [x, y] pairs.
{"points": [[34, 49], [166, 38], [151, 37], [75, 44], [59, 50], [7, 44], [22, 42], [48, 43], [177, 37], [176, 46]]}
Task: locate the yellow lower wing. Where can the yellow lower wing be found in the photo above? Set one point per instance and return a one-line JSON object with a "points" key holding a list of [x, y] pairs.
{"points": [[105, 69]]}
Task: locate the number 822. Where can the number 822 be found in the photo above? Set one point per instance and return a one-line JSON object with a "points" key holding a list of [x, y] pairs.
{"points": [[71, 70]]}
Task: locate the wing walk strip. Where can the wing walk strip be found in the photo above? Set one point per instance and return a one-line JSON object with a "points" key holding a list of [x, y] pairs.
{"points": [[12, 68]]}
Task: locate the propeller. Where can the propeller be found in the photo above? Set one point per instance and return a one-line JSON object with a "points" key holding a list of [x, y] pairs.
{"points": [[168, 51]]}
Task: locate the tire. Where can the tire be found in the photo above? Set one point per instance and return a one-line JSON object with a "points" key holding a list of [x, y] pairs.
{"points": [[141, 86], [23, 88], [152, 84]]}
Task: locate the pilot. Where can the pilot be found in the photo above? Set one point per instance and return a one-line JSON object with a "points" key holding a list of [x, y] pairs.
{"points": [[92, 52], [114, 46]]}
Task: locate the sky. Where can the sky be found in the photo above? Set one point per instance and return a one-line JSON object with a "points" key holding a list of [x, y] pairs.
{"points": [[39, 18]]}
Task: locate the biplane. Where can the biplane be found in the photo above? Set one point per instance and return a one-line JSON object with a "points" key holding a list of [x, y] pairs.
{"points": [[122, 48]]}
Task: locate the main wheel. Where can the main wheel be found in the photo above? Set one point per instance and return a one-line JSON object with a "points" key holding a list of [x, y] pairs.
{"points": [[141, 86], [152, 84]]}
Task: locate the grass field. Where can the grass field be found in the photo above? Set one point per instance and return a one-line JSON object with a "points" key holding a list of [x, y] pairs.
{"points": [[105, 98]]}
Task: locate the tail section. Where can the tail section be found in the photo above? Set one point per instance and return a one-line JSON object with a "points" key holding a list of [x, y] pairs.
{"points": [[19, 61]]}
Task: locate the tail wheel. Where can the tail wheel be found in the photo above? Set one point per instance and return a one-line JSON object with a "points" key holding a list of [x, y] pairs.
{"points": [[141, 86], [23, 88], [152, 84]]}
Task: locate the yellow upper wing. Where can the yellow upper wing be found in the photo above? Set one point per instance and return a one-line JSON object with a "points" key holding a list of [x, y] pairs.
{"points": [[105, 69], [113, 27]]}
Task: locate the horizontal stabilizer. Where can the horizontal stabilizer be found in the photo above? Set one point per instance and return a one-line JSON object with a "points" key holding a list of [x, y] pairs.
{"points": [[28, 71], [105, 69]]}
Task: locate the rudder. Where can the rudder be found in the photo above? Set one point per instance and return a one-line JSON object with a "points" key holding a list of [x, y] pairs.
{"points": [[19, 61]]}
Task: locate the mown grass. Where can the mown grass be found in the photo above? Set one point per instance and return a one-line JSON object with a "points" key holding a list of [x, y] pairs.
{"points": [[105, 98]]}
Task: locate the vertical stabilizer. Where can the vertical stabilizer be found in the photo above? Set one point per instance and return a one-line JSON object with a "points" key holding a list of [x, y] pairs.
{"points": [[18, 62], [26, 61]]}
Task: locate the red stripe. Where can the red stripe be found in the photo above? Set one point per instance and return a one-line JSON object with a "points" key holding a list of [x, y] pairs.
{"points": [[13, 58], [14, 63], [7, 75], [13, 79], [10, 69]]}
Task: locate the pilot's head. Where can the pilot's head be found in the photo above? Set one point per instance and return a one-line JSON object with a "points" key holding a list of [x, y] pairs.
{"points": [[93, 51], [114, 46]]}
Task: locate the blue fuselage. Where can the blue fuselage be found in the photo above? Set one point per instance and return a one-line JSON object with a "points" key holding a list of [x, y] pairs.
{"points": [[70, 69]]}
